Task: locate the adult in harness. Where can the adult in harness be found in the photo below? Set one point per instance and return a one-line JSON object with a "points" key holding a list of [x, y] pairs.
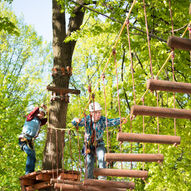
{"points": [[95, 125], [30, 131]]}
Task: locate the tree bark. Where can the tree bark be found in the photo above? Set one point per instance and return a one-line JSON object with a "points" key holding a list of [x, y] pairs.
{"points": [[62, 53]]}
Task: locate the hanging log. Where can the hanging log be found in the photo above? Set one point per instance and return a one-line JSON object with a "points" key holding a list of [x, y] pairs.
{"points": [[179, 43], [62, 90], [161, 112], [120, 173], [109, 183], [85, 188], [134, 157], [169, 86], [148, 138]]}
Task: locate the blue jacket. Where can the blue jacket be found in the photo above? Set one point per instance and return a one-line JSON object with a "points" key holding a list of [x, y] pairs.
{"points": [[99, 126], [32, 125]]}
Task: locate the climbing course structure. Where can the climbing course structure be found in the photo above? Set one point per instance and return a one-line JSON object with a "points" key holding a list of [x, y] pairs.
{"points": [[62, 179]]}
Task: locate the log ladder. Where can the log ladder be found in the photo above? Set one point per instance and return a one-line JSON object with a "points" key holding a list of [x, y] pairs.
{"points": [[153, 111]]}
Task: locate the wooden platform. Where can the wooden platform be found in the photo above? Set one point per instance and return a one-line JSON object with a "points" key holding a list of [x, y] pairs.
{"points": [[41, 179]]}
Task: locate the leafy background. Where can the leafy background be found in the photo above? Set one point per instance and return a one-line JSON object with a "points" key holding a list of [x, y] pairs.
{"points": [[25, 70]]}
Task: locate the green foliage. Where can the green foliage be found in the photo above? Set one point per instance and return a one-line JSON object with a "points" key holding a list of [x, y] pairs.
{"points": [[24, 62], [7, 21], [21, 56]]}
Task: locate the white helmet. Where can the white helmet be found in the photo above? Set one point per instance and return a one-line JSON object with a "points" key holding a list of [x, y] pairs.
{"points": [[95, 107]]}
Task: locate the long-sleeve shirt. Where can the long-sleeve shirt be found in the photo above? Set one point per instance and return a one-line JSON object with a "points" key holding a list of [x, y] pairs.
{"points": [[32, 124], [99, 126]]}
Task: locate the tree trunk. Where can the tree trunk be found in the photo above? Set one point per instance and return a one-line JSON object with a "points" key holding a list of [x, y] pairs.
{"points": [[62, 53]]}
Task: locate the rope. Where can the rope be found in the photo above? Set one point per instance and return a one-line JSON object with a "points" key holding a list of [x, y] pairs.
{"points": [[148, 40], [120, 129], [69, 133], [103, 77], [114, 55], [157, 118], [85, 147], [63, 146], [132, 71], [79, 165], [172, 58], [57, 150], [114, 47], [143, 100], [50, 133]]}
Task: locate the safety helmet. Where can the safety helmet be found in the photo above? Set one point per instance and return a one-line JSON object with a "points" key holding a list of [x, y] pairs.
{"points": [[94, 107], [42, 110]]}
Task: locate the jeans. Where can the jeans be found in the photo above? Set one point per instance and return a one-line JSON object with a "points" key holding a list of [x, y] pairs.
{"points": [[31, 157], [90, 159]]}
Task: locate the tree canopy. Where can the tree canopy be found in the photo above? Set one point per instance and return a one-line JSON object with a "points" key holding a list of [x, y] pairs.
{"points": [[23, 53]]}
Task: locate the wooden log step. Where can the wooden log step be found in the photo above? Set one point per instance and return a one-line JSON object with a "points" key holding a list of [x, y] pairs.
{"points": [[179, 43], [134, 157], [160, 112], [97, 183], [121, 173], [62, 90], [27, 182], [148, 138], [38, 186], [169, 86], [109, 183], [55, 180], [85, 188]]}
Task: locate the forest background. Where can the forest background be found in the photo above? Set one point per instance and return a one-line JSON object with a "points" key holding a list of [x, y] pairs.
{"points": [[26, 62]]}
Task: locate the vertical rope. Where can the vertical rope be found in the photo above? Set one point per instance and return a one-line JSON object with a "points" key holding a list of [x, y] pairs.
{"points": [[120, 129], [189, 30], [79, 165], [157, 118], [50, 133], [143, 100], [94, 128], [86, 169], [57, 150], [148, 40], [132, 71], [103, 78], [171, 17], [63, 147], [172, 58], [115, 61], [70, 144]]}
